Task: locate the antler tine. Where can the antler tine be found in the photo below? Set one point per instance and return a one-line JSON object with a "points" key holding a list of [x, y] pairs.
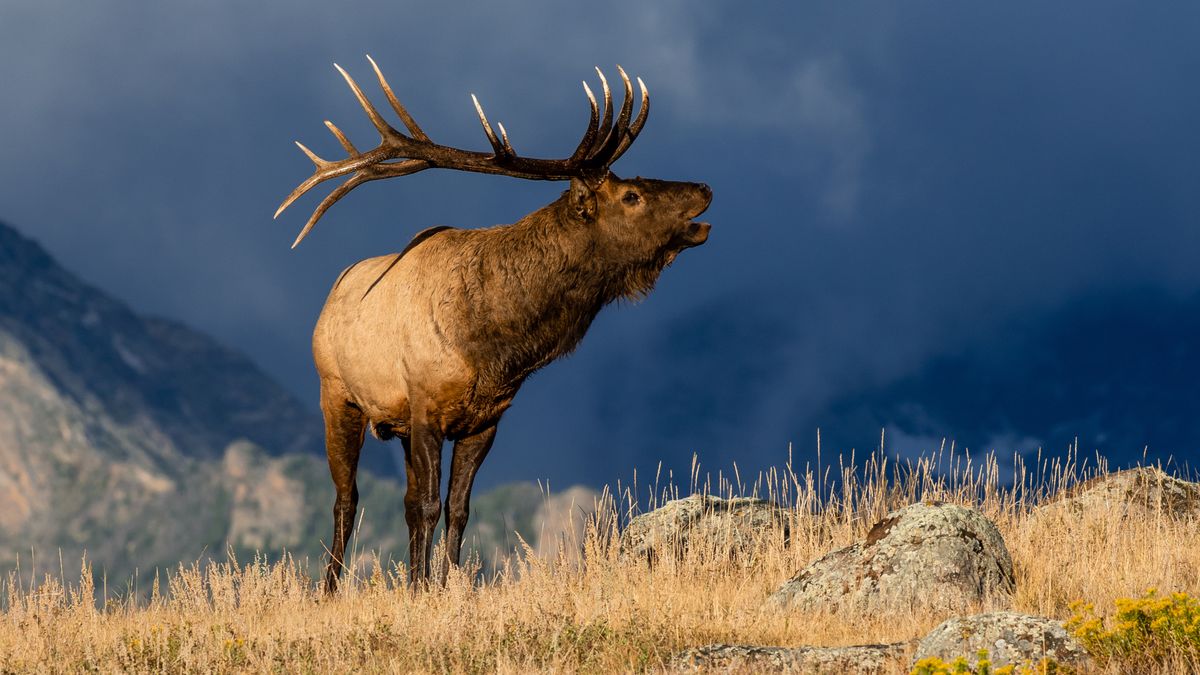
{"points": [[606, 123], [638, 123], [643, 112], [346, 144], [498, 147], [351, 183], [316, 159], [327, 170], [627, 104], [385, 130], [409, 122], [604, 151], [589, 137], [364, 176], [508, 148]]}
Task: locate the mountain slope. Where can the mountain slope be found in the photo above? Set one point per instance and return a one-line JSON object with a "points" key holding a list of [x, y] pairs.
{"points": [[142, 372]]}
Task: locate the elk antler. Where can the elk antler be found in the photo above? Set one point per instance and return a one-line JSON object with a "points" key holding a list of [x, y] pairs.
{"points": [[603, 143]]}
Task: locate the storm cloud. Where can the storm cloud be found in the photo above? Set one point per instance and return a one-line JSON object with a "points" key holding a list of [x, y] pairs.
{"points": [[893, 184]]}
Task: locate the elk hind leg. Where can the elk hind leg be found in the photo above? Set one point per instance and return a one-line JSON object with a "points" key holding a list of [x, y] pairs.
{"points": [[345, 426], [422, 499]]}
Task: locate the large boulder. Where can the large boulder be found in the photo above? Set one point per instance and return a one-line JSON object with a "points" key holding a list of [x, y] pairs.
{"points": [[1008, 637], [1141, 492], [751, 659], [732, 527], [929, 556]]}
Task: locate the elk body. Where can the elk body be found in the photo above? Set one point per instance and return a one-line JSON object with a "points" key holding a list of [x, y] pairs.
{"points": [[432, 344]]}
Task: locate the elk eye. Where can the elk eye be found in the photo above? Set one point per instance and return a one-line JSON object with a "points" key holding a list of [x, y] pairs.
{"points": [[631, 198]]}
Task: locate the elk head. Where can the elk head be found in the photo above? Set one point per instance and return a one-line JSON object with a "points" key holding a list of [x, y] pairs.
{"points": [[640, 224]]}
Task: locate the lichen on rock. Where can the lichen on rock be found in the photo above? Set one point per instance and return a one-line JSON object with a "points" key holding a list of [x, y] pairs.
{"points": [[755, 659], [734, 527], [931, 557], [1009, 638], [1141, 492]]}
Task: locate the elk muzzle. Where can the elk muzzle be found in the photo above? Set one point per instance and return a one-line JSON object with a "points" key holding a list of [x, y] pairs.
{"points": [[696, 233]]}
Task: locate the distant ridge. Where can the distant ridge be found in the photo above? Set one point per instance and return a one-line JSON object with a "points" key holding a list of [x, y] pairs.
{"points": [[197, 393]]}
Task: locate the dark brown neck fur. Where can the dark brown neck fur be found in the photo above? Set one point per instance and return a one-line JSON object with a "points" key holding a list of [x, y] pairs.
{"points": [[537, 285]]}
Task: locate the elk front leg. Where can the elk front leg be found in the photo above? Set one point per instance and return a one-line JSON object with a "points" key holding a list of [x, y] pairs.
{"points": [[422, 501], [344, 430], [469, 453]]}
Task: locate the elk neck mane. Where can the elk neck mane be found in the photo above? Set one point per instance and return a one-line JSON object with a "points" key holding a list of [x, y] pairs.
{"points": [[537, 284]]}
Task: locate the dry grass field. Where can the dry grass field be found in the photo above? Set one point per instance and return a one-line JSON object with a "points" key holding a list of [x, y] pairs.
{"points": [[594, 612]]}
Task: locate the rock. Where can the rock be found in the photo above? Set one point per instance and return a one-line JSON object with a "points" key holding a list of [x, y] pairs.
{"points": [[1008, 637], [733, 525], [1138, 493], [752, 659], [928, 556]]}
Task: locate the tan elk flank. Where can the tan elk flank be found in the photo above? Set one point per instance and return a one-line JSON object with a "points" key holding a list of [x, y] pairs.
{"points": [[432, 343]]}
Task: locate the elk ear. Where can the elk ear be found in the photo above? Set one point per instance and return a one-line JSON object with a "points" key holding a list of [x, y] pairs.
{"points": [[582, 200]]}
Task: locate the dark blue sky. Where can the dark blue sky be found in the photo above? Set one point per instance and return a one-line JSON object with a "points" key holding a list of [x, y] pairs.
{"points": [[895, 185]]}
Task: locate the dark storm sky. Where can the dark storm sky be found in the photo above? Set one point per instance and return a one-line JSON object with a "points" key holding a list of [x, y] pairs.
{"points": [[893, 182]]}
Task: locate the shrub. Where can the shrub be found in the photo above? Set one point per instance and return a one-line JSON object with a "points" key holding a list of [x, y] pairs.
{"points": [[1152, 629]]}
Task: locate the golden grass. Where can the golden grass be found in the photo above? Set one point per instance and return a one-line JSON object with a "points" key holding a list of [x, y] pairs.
{"points": [[604, 614]]}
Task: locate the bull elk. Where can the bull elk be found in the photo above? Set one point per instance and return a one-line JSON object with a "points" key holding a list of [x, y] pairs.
{"points": [[432, 343]]}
